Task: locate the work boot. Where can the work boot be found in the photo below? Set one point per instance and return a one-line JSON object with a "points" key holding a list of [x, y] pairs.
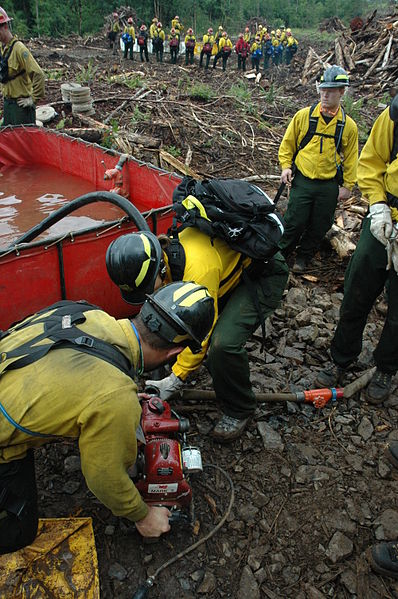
{"points": [[391, 453], [228, 428], [300, 265], [383, 558], [379, 387], [329, 377]]}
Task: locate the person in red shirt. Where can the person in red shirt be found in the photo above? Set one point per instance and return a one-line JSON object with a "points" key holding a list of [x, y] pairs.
{"points": [[242, 48]]}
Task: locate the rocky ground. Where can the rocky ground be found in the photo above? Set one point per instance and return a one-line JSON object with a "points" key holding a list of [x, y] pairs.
{"points": [[312, 488]]}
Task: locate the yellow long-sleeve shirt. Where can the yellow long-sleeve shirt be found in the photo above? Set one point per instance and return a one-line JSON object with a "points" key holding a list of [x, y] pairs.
{"points": [[160, 34], [190, 38], [208, 39], [212, 264], [376, 174], [318, 159], [31, 82], [130, 30], [75, 395], [152, 30]]}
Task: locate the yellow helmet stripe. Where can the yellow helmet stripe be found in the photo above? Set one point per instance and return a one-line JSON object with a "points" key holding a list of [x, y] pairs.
{"points": [[191, 202], [186, 288], [145, 265], [192, 298]]}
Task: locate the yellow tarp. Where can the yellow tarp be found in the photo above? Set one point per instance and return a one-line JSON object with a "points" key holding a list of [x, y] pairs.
{"points": [[61, 562]]}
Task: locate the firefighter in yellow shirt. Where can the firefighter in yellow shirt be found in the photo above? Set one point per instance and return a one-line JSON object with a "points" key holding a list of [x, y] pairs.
{"points": [[207, 47], [214, 264], [128, 38], [291, 46], [21, 77], [153, 27], [373, 266], [113, 34], [247, 36], [321, 144], [158, 42], [190, 43], [224, 50], [84, 390]]}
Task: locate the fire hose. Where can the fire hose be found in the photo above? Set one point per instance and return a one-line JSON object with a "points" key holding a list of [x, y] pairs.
{"points": [[317, 397], [143, 589]]}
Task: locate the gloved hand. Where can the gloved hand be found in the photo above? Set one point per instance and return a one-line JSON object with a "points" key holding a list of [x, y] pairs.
{"points": [[25, 102], [380, 222], [166, 386], [394, 248]]}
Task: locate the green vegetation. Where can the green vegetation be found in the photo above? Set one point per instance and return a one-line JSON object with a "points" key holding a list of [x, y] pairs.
{"points": [[87, 74], [108, 139], [138, 116], [51, 17], [173, 150], [132, 82], [201, 91]]}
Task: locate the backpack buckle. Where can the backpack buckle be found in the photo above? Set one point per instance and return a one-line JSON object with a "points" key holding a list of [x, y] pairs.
{"points": [[83, 340]]}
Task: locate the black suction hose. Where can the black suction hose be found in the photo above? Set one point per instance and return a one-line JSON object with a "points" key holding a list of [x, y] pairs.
{"points": [[88, 198]]}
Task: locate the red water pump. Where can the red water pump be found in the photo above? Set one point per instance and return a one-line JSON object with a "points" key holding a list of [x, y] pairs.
{"points": [[165, 460]]}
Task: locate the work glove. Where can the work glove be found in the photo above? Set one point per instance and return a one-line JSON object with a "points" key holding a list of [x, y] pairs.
{"points": [[166, 386], [392, 250], [25, 102], [380, 222]]}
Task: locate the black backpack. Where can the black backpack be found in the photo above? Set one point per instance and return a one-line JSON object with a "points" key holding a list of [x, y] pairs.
{"points": [[236, 211], [4, 76]]}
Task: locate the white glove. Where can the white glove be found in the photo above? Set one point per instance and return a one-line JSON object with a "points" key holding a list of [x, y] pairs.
{"points": [[25, 102], [380, 222], [166, 386], [392, 250]]}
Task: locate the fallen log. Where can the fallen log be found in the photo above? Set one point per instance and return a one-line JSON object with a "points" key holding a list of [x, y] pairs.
{"points": [[177, 164], [92, 135]]}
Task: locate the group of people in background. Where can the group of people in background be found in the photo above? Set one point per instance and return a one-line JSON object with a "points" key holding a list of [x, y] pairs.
{"points": [[265, 48]]}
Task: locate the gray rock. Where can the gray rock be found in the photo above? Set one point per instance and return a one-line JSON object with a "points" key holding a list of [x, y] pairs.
{"points": [[71, 487], [306, 474], [296, 297], [259, 499], [260, 575], [355, 461], [387, 526], [365, 429], [117, 572], [307, 452], [197, 575], [248, 586], [254, 562], [308, 333], [383, 468], [72, 463], [184, 584], [271, 439], [304, 318], [291, 353], [340, 521], [349, 580], [291, 574], [339, 547], [208, 584], [247, 512]]}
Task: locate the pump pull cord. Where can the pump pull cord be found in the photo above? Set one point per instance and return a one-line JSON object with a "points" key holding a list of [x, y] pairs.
{"points": [[143, 589]]}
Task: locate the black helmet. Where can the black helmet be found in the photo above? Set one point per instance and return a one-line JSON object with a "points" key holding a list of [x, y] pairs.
{"points": [[133, 262], [180, 313], [334, 76]]}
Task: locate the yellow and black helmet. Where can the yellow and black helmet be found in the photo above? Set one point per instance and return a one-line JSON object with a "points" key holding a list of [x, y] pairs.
{"points": [[180, 313], [334, 76], [133, 262]]}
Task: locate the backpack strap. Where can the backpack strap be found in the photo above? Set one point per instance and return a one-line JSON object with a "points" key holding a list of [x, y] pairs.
{"points": [[391, 199], [313, 123], [175, 253], [59, 327], [7, 56]]}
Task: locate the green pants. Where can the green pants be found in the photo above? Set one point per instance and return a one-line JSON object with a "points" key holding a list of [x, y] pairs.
{"points": [[309, 215], [17, 115], [227, 361], [365, 278]]}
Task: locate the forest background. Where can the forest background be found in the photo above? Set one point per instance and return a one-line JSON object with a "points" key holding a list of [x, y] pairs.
{"points": [[57, 18]]}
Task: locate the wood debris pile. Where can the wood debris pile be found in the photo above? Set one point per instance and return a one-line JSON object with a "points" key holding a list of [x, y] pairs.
{"points": [[332, 24], [124, 13], [369, 55]]}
